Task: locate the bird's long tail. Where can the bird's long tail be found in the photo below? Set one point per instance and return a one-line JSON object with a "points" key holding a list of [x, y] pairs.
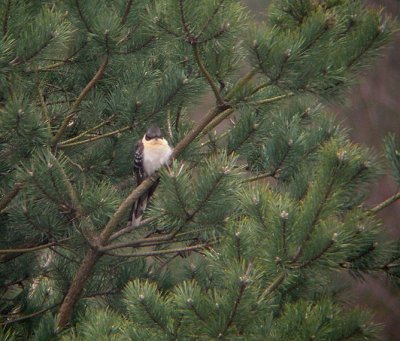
{"points": [[139, 206]]}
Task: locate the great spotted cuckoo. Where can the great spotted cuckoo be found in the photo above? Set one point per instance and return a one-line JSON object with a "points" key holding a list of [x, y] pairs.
{"points": [[151, 153]]}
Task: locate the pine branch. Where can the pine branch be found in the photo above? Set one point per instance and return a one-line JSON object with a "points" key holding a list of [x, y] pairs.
{"points": [[7, 255], [12, 283], [205, 199], [69, 259], [33, 225], [62, 62], [238, 247], [259, 59], [210, 19], [147, 241], [162, 252], [249, 134], [82, 17], [240, 84], [224, 115], [102, 293], [347, 264], [130, 227], [126, 13], [244, 281], [79, 211], [70, 189], [261, 219], [316, 257], [189, 37], [7, 198], [218, 119], [94, 138], [315, 219], [200, 129], [273, 99], [259, 177], [258, 88], [312, 42], [195, 311], [153, 318], [272, 287], [57, 200], [108, 120], [207, 75], [78, 101], [6, 17], [284, 237], [179, 197], [282, 67], [46, 43], [138, 48], [27, 317], [351, 335], [137, 243], [76, 287], [42, 103], [363, 51], [166, 29]]}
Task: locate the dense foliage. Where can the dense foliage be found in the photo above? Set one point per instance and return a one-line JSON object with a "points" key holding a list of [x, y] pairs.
{"points": [[250, 224]]}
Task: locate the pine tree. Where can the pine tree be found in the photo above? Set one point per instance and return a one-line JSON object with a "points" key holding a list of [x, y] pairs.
{"points": [[249, 226]]}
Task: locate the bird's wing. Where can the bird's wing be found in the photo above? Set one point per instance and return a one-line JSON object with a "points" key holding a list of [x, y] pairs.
{"points": [[138, 163]]}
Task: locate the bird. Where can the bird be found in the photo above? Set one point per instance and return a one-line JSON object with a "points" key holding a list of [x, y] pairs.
{"points": [[151, 153]]}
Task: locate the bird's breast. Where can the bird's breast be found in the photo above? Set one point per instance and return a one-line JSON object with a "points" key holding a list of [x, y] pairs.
{"points": [[155, 156]]}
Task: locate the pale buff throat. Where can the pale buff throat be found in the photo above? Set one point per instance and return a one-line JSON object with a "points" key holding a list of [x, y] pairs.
{"points": [[154, 143]]}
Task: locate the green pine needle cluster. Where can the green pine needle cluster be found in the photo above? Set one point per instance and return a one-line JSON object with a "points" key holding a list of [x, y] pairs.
{"points": [[252, 220]]}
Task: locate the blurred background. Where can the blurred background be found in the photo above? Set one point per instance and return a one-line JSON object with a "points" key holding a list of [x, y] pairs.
{"points": [[370, 111]]}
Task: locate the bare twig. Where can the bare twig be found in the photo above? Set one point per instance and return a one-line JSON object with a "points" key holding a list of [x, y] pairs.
{"points": [[95, 138], [273, 99], [78, 101], [217, 121], [385, 203], [108, 120], [32, 249], [258, 177], [162, 252], [131, 227], [26, 317]]}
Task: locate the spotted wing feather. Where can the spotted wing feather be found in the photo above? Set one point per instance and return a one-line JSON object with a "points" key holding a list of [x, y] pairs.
{"points": [[137, 207], [138, 163]]}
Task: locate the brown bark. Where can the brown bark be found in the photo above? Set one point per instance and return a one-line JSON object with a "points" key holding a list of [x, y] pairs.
{"points": [[77, 285]]}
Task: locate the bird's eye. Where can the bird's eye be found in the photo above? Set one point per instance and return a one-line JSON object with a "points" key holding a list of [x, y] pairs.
{"points": [[147, 137]]}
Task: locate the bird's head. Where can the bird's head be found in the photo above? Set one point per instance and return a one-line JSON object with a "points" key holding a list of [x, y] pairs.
{"points": [[153, 133]]}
